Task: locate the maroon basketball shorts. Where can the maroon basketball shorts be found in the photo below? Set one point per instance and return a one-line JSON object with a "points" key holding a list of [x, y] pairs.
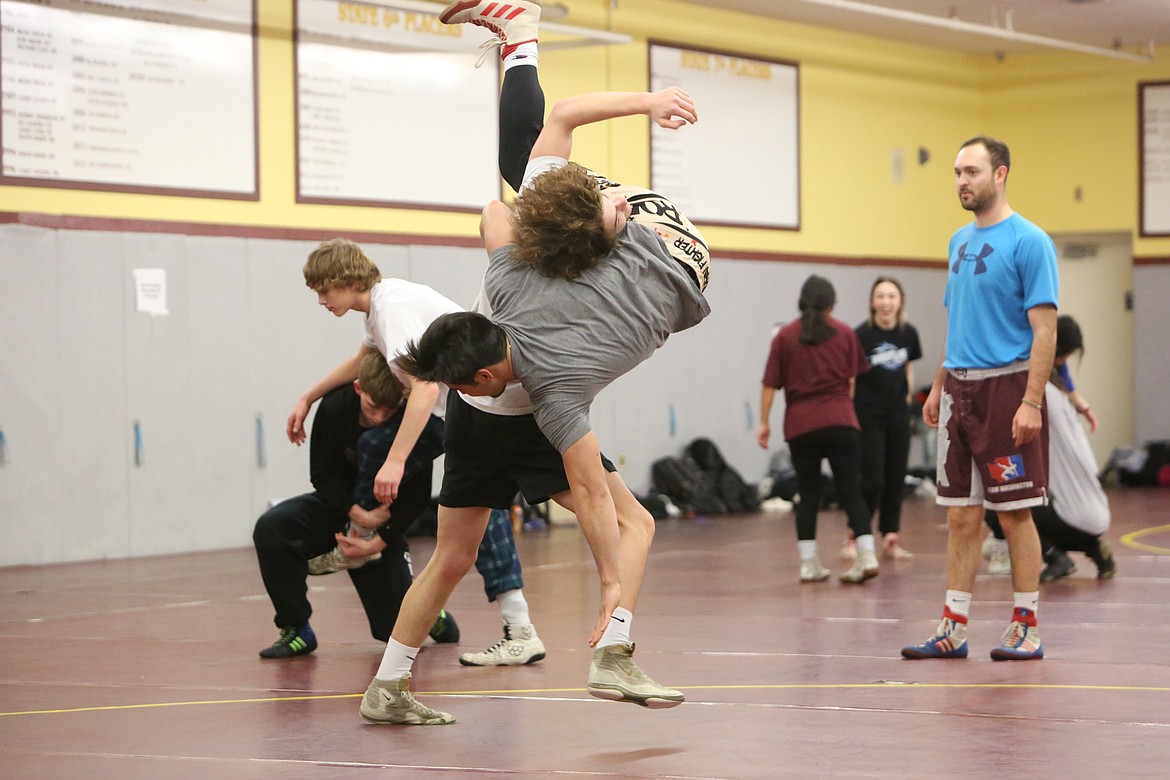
{"points": [[978, 460]]}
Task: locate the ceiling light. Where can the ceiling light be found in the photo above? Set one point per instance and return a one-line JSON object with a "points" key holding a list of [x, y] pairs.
{"points": [[1006, 33]]}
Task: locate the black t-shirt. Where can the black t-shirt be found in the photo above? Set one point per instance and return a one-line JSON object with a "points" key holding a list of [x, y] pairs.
{"points": [[882, 391]]}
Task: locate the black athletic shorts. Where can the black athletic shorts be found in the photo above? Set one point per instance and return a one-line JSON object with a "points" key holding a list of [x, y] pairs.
{"points": [[491, 457]]}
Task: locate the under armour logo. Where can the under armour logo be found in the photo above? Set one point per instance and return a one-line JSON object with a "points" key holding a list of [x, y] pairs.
{"points": [[980, 266]]}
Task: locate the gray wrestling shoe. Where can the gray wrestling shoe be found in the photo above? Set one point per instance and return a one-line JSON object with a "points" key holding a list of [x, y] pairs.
{"points": [[390, 702], [613, 675]]}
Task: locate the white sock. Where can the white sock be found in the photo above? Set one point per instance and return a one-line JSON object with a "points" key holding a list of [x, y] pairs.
{"points": [[959, 602], [808, 548], [1028, 601], [396, 661], [865, 543], [524, 54], [513, 607], [618, 630]]}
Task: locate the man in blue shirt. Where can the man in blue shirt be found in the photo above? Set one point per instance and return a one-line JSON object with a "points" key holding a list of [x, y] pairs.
{"points": [[987, 400]]}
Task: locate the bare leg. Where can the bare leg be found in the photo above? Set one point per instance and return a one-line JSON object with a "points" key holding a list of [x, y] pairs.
{"points": [[1024, 548], [460, 532], [636, 532], [613, 674], [964, 537]]}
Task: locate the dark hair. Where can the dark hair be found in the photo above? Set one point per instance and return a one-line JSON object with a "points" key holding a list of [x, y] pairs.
{"points": [[1068, 336], [997, 150], [453, 348], [816, 296]]}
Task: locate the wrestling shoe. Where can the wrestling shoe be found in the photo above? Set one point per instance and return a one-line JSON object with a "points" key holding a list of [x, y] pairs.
{"points": [[949, 641], [445, 631], [1021, 641], [865, 567], [292, 642], [390, 702], [1106, 566], [891, 548], [336, 560], [519, 646], [1058, 565], [613, 675], [513, 22], [811, 570]]}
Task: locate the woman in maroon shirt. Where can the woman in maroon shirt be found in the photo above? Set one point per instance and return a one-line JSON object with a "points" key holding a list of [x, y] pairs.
{"points": [[814, 360]]}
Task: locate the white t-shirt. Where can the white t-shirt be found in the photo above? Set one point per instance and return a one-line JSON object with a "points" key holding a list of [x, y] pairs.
{"points": [[400, 312]]}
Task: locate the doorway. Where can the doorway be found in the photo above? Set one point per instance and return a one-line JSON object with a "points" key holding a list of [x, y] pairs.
{"points": [[1096, 287]]}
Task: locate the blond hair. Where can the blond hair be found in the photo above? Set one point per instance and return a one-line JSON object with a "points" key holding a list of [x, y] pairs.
{"points": [[340, 263]]}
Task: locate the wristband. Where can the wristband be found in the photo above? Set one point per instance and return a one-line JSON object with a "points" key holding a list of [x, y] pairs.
{"points": [[1033, 404]]}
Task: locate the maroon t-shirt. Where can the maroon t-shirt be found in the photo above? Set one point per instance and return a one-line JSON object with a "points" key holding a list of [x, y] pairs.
{"points": [[815, 378]]}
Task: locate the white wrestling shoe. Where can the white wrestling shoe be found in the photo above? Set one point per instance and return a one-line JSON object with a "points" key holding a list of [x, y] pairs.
{"points": [[513, 22]]}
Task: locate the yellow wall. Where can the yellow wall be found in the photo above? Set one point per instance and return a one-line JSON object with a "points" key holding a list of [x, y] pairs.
{"points": [[1071, 121]]}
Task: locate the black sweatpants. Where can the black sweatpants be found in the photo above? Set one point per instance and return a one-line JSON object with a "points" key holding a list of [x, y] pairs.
{"points": [[301, 528]]}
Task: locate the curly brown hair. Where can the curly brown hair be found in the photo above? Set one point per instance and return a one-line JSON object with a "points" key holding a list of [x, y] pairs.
{"points": [[559, 230]]}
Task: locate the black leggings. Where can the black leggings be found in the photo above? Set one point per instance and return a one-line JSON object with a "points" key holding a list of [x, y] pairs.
{"points": [[1053, 531], [521, 120], [885, 449], [841, 446]]}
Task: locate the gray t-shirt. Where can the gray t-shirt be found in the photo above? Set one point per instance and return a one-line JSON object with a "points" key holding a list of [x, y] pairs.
{"points": [[571, 338]]}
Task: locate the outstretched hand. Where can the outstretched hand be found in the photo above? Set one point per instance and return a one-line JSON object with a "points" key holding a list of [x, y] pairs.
{"points": [[672, 108], [610, 597]]}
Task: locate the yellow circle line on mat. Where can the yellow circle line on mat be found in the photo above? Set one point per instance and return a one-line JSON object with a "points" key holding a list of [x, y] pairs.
{"points": [[745, 687], [1130, 540]]}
